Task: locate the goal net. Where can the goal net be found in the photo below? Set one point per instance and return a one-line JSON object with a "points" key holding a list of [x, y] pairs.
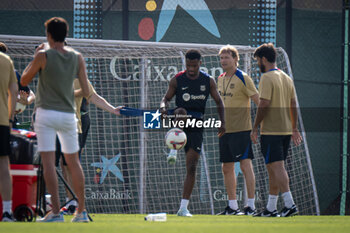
{"points": [[125, 165]]}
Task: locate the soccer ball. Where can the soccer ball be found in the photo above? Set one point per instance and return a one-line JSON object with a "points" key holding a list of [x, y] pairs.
{"points": [[175, 139]]}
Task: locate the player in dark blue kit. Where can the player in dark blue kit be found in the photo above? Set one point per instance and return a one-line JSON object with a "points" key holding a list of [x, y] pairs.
{"points": [[192, 88]]}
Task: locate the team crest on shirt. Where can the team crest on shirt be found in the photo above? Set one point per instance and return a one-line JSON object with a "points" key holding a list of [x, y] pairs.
{"points": [[186, 97], [202, 87], [232, 85]]}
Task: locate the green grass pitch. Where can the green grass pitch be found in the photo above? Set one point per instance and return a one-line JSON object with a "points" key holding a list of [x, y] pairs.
{"points": [[132, 223]]}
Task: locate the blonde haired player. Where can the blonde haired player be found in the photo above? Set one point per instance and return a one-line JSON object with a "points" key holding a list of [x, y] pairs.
{"points": [[236, 89], [83, 118]]}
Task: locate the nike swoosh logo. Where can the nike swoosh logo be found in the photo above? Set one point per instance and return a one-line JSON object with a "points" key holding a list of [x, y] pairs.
{"points": [[184, 88], [198, 9]]}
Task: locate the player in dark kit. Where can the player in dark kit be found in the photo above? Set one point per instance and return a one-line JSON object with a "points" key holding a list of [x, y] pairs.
{"points": [[192, 88]]}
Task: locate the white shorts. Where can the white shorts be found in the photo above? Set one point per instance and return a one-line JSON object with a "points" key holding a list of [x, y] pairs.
{"points": [[48, 123]]}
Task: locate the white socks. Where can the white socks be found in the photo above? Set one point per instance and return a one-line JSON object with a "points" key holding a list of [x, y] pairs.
{"points": [[184, 203], [288, 199], [233, 204], [251, 203], [272, 203], [7, 206]]}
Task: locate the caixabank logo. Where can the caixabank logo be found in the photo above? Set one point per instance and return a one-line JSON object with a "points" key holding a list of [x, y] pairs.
{"points": [[106, 166], [197, 9]]}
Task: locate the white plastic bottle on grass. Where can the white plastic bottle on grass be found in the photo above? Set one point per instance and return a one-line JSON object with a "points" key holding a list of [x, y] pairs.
{"points": [[160, 217]]}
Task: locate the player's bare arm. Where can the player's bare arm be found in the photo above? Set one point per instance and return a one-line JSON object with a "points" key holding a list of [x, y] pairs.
{"points": [[296, 137], [168, 96], [12, 93], [260, 115], [103, 104], [34, 67], [79, 92], [219, 104], [255, 99]]}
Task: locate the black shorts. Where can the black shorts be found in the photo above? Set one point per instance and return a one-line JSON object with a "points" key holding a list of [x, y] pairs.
{"points": [[5, 148], [194, 139], [275, 147], [235, 147]]}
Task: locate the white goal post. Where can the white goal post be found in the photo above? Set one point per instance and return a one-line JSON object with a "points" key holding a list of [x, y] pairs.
{"points": [[125, 165]]}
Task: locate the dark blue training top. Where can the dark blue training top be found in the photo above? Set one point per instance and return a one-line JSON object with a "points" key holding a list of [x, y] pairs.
{"points": [[192, 94]]}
